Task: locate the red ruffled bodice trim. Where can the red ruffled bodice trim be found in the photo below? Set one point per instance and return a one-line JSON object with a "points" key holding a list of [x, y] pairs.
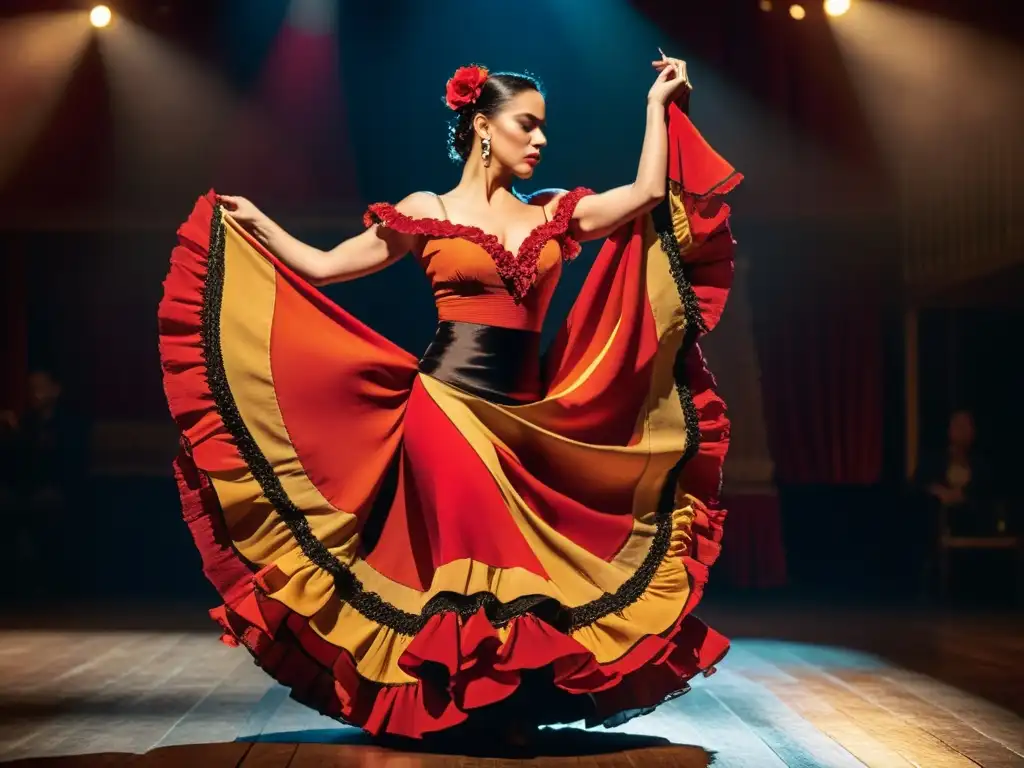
{"points": [[518, 271]]}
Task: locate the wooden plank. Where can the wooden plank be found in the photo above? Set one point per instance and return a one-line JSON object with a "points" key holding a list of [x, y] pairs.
{"points": [[820, 713], [206, 755], [995, 722], [79, 697], [55, 659], [658, 757], [795, 740], [23, 654], [914, 744], [121, 656], [30, 660], [106, 760], [269, 756], [734, 744], [161, 694], [966, 660], [744, 659], [328, 756], [293, 722], [220, 713], [856, 740], [263, 711], [941, 723], [666, 726], [137, 711], [795, 658]]}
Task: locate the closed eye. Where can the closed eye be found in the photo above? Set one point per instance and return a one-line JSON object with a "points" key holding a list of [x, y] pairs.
{"points": [[529, 122]]}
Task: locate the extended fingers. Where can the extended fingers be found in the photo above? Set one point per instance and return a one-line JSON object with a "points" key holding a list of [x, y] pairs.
{"points": [[677, 64]]}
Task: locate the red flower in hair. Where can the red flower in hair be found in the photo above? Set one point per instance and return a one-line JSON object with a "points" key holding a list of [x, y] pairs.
{"points": [[464, 86]]}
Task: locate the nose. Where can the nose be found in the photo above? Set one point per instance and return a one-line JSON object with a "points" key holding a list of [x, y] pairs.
{"points": [[539, 139]]}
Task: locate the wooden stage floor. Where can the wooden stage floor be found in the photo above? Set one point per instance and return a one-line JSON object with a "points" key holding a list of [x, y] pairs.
{"points": [[803, 686]]}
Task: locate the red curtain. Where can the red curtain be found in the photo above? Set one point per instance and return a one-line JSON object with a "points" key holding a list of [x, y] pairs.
{"points": [[822, 371], [14, 336], [754, 554]]}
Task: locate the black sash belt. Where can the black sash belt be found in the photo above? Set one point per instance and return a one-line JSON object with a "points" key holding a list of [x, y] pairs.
{"points": [[501, 365]]}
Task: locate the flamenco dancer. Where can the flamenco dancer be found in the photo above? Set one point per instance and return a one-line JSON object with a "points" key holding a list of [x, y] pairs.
{"points": [[487, 537]]}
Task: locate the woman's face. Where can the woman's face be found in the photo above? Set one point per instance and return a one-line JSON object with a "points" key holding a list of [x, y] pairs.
{"points": [[517, 134]]}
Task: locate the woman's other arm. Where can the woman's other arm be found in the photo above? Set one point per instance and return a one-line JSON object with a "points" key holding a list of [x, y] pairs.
{"points": [[368, 252]]}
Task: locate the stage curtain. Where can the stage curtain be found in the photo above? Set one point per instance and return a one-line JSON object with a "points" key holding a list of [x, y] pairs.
{"points": [[753, 552], [14, 336], [822, 382]]}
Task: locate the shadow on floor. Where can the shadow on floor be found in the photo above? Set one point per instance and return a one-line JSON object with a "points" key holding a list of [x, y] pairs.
{"points": [[548, 742], [348, 746]]}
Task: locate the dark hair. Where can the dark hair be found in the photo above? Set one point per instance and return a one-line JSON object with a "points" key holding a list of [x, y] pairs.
{"points": [[498, 90]]}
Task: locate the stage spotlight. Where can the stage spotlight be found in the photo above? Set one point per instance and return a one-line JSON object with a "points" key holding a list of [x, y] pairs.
{"points": [[100, 16], [836, 7], [765, 5], [797, 12]]}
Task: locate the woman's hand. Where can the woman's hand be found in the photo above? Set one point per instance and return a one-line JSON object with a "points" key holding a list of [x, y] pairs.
{"points": [[244, 212], [672, 81]]}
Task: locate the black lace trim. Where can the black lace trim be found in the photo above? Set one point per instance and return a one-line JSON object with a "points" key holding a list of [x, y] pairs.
{"points": [[350, 589], [691, 304], [694, 327], [348, 586], [637, 584]]}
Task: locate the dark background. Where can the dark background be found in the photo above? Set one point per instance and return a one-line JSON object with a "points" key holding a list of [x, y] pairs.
{"points": [[872, 195]]}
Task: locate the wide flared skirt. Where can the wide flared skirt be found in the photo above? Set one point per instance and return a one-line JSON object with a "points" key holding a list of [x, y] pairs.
{"points": [[403, 554]]}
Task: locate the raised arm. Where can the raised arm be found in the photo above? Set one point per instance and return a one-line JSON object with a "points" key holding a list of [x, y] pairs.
{"points": [[368, 252], [599, 215]]}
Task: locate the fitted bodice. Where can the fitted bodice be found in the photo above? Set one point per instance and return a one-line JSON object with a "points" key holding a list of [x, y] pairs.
{"points": [[467, 286], [476, 279]]}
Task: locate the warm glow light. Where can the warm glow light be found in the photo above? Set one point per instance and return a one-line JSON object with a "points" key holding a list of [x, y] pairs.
{"points": [[797, 11], [836, 7], [765, 5], [41, 53], [100, 16]]}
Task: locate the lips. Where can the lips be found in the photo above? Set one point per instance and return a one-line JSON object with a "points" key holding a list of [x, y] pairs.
{"points": [[532, 159]]}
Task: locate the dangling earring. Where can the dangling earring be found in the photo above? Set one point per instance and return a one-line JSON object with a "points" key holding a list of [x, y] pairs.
{"points": [[485, 151]]}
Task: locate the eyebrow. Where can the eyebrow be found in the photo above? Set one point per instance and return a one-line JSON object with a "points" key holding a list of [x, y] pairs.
{"points": [[533, 117]]}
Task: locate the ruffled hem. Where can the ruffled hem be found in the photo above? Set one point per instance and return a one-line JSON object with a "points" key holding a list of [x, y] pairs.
{"points": [[462, 665]]}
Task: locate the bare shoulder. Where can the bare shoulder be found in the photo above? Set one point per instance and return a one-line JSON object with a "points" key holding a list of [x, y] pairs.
{"points": [[404, 236], [420, 205], [545, 197]]}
